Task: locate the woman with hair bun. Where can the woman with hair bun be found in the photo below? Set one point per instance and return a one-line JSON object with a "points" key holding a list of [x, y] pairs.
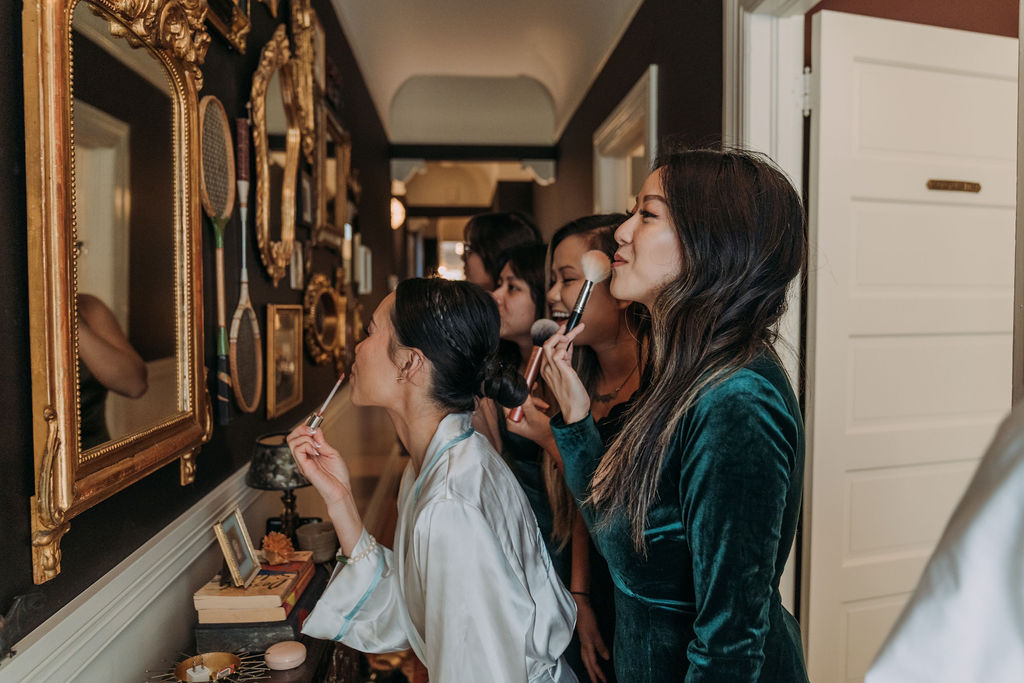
{"points": [[469, 586]]}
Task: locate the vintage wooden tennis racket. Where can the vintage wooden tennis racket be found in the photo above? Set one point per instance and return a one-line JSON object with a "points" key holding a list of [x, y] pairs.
{"points": [[217, 189], [245, 352]]}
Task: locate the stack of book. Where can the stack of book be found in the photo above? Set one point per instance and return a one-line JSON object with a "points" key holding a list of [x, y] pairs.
{"points": [[271, 609]]}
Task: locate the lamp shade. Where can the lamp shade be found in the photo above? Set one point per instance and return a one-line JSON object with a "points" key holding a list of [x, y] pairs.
{"points": [[273, 468]]}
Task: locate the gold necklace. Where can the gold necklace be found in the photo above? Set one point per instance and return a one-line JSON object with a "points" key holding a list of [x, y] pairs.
{"points": [[604, 398]]}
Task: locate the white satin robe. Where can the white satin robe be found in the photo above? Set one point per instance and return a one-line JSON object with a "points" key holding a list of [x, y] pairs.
{"points": [[965, 620], [469, 586]]}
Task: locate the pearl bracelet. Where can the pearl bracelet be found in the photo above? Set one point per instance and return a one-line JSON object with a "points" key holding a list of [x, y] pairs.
{"points": [[345, 559]]}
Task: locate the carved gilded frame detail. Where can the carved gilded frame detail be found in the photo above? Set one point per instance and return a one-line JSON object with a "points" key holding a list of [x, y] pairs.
{"points": [[302, 74], [276, 255], [173, 31]]}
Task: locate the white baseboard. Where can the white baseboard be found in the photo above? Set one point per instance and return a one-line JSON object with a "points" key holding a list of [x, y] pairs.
{"points": [[139, 615]]}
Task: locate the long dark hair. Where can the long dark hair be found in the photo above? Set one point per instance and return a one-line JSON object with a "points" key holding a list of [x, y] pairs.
{"points": [[527, 263], [489, 234], [740, 225], [455, 325]]}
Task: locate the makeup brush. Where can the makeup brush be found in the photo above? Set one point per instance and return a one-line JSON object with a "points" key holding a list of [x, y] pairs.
{"points": [[316, 419], [541, 330], [596, 268]]}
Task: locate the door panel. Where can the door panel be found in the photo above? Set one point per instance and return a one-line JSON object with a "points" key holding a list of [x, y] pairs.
{"points": [[910, 310]]}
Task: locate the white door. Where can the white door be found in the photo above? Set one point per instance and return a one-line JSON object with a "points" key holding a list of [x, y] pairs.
{"points": [[910, 310]]}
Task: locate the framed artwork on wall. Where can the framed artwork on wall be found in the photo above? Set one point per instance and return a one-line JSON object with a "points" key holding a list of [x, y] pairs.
{"points": [[284, 358]]}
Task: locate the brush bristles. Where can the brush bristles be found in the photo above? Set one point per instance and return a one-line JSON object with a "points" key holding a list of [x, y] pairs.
{"points": [[541, 331], [596, 266]]}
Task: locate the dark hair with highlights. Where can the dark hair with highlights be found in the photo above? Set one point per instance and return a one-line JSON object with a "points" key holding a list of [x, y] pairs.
{"points": [[455, 325], [740, 225], [489, 234]]}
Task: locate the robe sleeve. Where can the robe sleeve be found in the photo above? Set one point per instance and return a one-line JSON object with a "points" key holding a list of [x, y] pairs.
{"points": [[362, 604], [478, 614], [739, 456]]}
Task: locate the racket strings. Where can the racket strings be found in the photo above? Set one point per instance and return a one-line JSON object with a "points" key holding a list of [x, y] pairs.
{"points": [[216, 164], [245, 354]]}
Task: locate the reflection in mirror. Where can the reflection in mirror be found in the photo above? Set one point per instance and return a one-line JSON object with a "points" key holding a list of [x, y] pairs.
{"points": [[277, 136], [124, 218]]}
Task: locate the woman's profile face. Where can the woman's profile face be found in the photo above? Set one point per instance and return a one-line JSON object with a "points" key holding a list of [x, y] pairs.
{"points": [[373, 371], [474, 269], [603, 311], [649, 254], [515, 304]]}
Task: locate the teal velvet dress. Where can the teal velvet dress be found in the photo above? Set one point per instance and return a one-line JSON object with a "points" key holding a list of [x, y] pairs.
{"points": [[704, 604]]}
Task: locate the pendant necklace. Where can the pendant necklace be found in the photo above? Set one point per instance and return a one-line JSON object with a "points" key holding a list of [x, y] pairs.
{"points": [[604, 398]]}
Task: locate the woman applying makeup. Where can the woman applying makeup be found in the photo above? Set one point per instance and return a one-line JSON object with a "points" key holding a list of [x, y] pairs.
{"points": [[469, 586], [606, 359], [695, 502]]}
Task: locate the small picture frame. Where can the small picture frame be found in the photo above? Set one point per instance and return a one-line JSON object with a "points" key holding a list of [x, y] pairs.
{"points": [[284, 358], [239, 553], [297, 274]]}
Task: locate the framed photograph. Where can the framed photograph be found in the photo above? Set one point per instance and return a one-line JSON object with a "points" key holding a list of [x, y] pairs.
{"points": [[284, 358], [298, 266], [319, 53], [237, 548]]}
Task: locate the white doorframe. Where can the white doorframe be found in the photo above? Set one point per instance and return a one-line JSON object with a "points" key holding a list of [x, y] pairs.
{"points": [[761, 110]]}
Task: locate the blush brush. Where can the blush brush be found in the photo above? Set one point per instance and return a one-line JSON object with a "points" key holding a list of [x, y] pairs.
{"points": [[541, 331], [596, 268]]}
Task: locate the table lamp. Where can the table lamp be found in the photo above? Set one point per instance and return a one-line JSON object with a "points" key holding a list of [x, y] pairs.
{"points": [[273, 469]]}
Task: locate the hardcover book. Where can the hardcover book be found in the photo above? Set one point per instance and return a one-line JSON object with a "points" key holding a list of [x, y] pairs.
{"points": [[256, 637], [269, 589]]}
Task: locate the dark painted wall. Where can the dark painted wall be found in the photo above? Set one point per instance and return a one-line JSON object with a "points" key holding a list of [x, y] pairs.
{"points": [[685, 40], [106, 534], [998, 17]]}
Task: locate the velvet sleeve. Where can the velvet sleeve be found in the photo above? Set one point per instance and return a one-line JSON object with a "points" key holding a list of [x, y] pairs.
{"points": [[581, 448], [737, 460]]}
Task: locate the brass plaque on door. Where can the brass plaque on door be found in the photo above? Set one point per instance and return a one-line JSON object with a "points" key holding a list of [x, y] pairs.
{"points": [[953, 185]]}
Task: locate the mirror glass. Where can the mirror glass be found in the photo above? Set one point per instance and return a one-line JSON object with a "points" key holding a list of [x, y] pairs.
{"points": [[277, 139], [128, 363]]}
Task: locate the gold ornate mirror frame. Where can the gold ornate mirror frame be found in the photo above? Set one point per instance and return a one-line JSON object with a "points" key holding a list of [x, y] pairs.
{"points": [[323, 320], [275, 254], [172, 30]]}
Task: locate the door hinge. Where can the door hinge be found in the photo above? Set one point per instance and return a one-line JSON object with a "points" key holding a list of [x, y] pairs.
{"points": [[805, 92]]}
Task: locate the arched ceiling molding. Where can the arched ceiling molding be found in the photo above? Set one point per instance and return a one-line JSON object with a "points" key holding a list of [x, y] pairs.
{"points": [[472, 110]]}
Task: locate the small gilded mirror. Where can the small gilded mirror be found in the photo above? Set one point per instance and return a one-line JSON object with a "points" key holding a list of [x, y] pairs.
{"points": [[324, 320], [333, 161], [277, 142]]}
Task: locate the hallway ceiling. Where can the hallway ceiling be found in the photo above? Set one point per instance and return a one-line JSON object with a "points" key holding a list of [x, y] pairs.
{"points": [[481, 71]]}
